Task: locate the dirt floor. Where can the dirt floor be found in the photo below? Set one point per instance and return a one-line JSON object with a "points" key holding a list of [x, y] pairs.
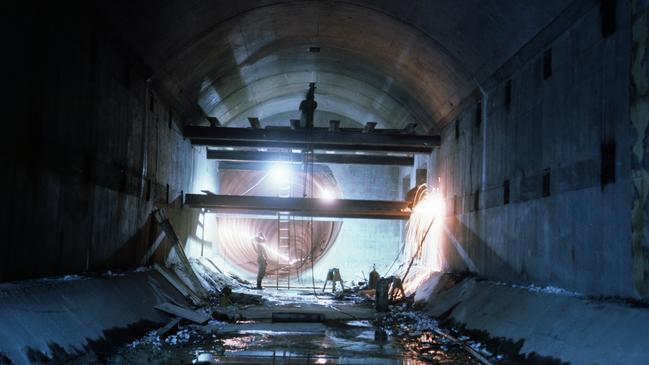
{"points": [[298, 327]]}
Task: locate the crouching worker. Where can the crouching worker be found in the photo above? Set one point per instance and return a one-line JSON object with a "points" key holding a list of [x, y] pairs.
{"points": [[262, 257]]}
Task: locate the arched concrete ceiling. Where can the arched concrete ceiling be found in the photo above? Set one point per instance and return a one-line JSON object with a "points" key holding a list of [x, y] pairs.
{"points": [[393, 61]]}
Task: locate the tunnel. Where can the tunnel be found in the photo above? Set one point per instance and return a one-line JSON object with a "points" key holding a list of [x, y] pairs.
{"points": [[325, 181]]}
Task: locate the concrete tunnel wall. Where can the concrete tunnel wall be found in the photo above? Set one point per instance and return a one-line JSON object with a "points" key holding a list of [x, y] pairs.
{"points": [[82, 127], [90, 147], [91, 150], [579, 237]]}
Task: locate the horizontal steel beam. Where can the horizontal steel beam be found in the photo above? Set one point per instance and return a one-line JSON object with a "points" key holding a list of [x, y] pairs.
{"points": [[306, 146], [252, 156], [317, 138], [340, 208]]}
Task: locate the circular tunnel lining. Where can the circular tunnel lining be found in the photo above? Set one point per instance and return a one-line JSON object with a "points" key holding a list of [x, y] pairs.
{"points": [[309, 239]]}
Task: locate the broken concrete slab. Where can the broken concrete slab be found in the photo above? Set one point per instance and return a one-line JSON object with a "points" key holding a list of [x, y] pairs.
{"points": [[549, 323], [63, 318], [188, 314], [282, 328], [328, 312], [297, 317], [179, 285]]}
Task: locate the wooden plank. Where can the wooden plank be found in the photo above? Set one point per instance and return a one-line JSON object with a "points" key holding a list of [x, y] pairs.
{"points": [[179, 285], [166, 226], [162, 332], [188, 314], [153, 248]]}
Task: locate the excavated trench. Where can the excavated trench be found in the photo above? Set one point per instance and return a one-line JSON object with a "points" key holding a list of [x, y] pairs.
{"points": [[346, 330]]}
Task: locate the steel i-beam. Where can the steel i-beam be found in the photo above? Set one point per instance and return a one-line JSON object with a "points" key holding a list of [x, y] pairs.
{"points": [[307, 138], [338, 208], [253, 156]]}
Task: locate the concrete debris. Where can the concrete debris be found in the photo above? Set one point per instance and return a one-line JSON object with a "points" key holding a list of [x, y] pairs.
{"points": [[180, 285], [423, 334], [150, 338], [211, 277], [404, 321], [177, 258], [71, 277], [180, 337], [154, 340], [109, 273], [252, 333], [239, 279]]}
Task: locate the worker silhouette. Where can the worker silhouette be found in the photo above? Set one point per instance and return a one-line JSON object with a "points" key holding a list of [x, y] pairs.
{"points": [[308, 106], [262, 257]]}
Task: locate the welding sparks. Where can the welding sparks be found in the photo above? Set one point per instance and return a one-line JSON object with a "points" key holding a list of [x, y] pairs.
{"points": [[423, 235]]}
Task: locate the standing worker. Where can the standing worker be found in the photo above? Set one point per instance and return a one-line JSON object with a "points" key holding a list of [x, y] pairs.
{"points": [[262, 257]]}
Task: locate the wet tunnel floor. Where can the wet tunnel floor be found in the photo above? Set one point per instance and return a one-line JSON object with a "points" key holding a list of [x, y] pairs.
{"points": [[354, 342], [401, 338]]}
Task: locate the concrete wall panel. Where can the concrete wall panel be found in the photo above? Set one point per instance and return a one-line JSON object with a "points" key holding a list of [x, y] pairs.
{"points": [[578, 237], [86, 137]]}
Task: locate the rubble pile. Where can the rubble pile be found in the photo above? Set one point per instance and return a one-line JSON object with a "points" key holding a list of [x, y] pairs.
{"points": [[422, 336]]}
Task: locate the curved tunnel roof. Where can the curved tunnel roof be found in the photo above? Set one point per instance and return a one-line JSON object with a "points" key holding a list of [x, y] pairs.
{"points": [[390, 62]]}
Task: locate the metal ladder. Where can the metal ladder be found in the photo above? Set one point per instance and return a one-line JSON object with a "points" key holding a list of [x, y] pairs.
{"points": [[283, 270], [283, 277]]}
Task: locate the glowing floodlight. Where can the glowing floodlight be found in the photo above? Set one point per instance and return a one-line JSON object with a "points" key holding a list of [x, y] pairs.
{"points": [[326, 195], [280, 174]]}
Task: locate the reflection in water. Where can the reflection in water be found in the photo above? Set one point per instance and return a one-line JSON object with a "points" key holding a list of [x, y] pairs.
{"points": [[238, 343], [353, 342]]}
